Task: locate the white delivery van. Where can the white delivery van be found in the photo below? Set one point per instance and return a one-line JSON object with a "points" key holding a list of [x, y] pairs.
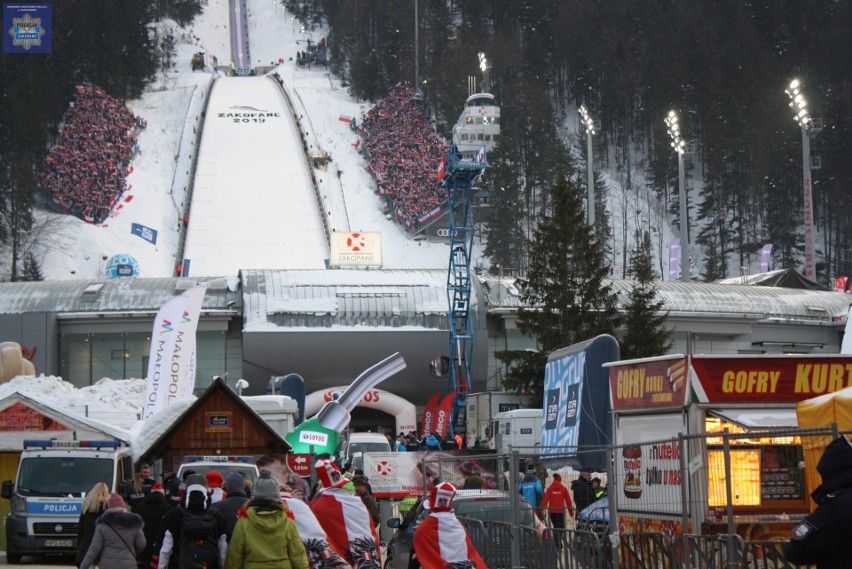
{"points": [[47, 496], [520, 429], [244, 464], [359, 443]]}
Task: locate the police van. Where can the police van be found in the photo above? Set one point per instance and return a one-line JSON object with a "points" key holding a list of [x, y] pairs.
{"points": [[47, 496]]}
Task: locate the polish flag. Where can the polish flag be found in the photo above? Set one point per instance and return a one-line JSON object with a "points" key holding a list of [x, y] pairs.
{"points": [[442, 169]]}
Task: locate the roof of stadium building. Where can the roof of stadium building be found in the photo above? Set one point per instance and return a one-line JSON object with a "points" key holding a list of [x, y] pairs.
{"points": [[707, 298], [270, 299]]}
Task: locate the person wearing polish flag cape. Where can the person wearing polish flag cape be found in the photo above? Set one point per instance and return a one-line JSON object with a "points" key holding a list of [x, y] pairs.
{"points": [[441, 542]]}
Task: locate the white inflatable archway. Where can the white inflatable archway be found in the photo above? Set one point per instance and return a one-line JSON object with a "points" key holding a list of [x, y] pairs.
{"points": [[403, 411]]}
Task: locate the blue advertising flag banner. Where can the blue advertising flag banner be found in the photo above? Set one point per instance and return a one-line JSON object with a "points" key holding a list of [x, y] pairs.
{"points": [[27, 28], [146, 233], [563, 389]]}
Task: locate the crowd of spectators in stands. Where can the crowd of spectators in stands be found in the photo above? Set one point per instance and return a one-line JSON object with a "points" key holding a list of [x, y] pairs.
{"points": [[404, 152], [86, 173]]}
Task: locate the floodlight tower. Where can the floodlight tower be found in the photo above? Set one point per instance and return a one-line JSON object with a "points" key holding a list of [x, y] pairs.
{"points": [[803, 119], [679, 146], [589, 125]]}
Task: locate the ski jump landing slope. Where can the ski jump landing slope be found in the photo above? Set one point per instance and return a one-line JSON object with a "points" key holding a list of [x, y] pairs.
{"points": [[253, 203]]}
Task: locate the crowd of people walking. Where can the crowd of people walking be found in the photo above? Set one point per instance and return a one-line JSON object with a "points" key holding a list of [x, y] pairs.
{"points": [[226, 522], [85, 174], [404, 152]]}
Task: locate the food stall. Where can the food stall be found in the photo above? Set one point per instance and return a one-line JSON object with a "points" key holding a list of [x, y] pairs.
{"points": [[711, 443]]}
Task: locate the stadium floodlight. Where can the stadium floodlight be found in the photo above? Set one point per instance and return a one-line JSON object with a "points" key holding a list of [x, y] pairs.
{"points": [[589, 124], [679, 146], [803, 118]]}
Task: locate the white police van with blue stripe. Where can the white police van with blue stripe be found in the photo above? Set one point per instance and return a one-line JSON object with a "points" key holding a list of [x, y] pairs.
{"points": [[47, 496]]}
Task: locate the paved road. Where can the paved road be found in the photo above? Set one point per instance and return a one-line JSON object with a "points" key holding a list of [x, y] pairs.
{"points": [[38, 562]]}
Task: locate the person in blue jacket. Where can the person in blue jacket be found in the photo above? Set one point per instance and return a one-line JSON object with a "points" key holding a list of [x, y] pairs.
{"points": [[530, 488]]}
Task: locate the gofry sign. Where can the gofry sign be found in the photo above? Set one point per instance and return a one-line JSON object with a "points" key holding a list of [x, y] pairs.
{"points": [[769, 379], [651, 384], [661, 383]]}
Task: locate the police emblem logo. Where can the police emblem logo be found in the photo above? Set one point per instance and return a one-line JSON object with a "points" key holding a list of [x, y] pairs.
{"points": [[802, 531], [27, 28]]}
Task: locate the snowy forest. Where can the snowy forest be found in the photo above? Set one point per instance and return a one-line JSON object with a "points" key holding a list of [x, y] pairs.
{"points": [[723, 67]]}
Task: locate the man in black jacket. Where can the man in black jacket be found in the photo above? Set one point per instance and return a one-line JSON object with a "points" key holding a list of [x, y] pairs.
{"points": [[582, 490], [823, 537], [235, 498]]}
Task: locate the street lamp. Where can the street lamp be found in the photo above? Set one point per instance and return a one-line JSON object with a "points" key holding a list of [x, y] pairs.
{"points": [[803, 119], [589, 124], [679, 146]]}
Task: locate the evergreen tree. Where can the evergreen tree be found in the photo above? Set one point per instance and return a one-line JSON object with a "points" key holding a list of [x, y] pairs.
{"points": [[565, 296], [646, 333], [32, 270], [712, 269]]}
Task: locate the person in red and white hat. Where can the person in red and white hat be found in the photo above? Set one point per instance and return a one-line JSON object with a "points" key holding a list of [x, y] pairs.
{"points": [[345, 519], [440, 541]]}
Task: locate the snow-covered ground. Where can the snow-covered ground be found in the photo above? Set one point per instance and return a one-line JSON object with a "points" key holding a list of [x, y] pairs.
{"points": [[72, 249]]}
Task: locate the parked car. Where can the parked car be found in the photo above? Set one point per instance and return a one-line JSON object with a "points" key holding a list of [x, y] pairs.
{"points": [[487, 517]]}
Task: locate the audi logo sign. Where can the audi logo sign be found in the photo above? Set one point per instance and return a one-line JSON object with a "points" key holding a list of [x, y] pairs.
{"points": [[443, 232]]}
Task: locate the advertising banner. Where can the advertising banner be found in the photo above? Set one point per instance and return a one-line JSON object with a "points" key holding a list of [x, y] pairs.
{"points": [[442, 418], [20, 417], [171, 359], [648, 475], [762, 379], [674, 255], [145, 232], [356, 249], [429, 415], [649, 385], [563, 389], [397, 474]]}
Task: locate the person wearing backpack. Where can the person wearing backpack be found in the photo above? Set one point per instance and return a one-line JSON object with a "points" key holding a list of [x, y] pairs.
{"points": [[118, 538], [265, 535], [195, 535]]}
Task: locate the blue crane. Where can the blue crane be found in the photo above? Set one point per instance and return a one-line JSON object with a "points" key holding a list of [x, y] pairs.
{"points": [[459, 176]]}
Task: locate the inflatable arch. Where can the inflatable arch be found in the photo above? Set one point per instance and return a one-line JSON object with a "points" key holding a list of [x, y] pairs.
{"points": [[403, 411]]}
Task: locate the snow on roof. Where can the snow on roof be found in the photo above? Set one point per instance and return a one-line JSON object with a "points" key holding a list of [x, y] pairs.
{"points": [[98, 407], [327, 298]]}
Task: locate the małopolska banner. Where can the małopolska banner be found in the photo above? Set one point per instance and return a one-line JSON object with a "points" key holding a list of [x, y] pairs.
{"points": [[563, 389], [172, 351]]}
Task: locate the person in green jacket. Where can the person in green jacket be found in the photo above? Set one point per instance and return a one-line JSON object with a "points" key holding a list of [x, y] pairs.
{"points": [[265, 534]]}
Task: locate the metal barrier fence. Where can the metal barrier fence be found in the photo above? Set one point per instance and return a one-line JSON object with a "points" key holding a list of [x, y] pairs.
{"points": [[726, 499]]}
